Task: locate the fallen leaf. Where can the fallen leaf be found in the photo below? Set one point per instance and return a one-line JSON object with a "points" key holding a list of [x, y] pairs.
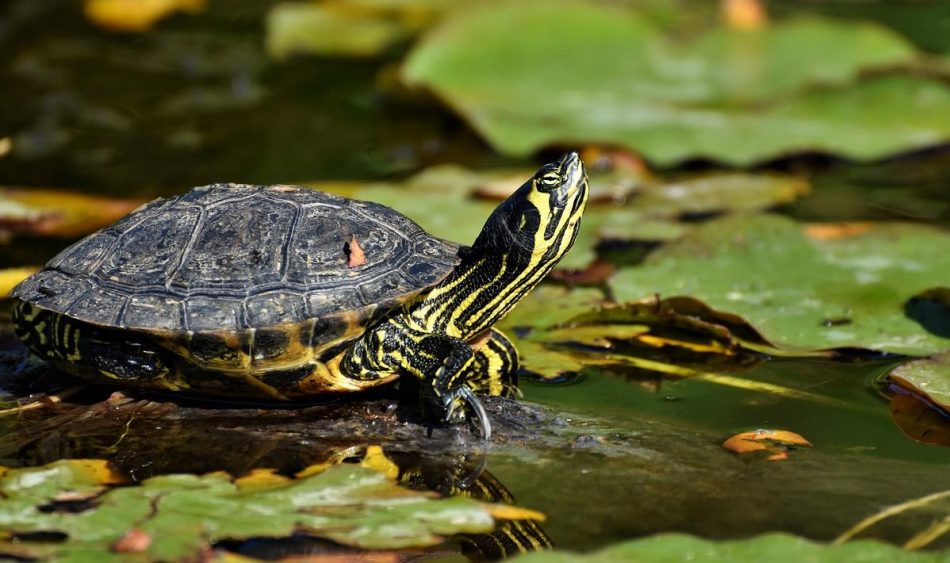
{"points": [[136, 15], [10, 277], [260, 478], [375, 459], [59, 213], [776, 442], [134, 541], [744, 14], [832, 231]]}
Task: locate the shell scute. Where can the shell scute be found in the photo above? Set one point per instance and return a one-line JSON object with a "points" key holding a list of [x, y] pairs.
{"points": [[274, 307], [99, 303], [212, 313], [156, 311], [52, 289], [260, 236], [87, 255], [148, 252]]}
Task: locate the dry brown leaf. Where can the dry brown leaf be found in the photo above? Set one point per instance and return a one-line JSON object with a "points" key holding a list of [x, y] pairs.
{"points": [[134, 541], [774, 441], [834, 231]]}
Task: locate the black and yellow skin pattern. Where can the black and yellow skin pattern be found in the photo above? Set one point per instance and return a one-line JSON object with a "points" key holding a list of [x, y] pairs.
{"points": [[440, 333], [80, 349], [521, 242]]}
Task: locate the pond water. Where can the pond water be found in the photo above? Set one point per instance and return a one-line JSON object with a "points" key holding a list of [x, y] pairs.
{"points": [[197, 101]]}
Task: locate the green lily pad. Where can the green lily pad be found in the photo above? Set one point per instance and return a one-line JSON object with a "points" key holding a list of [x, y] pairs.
{"points": [[802, 293], [928, 377], [531, 75], [780, 548], [181, 514], [716, 193], [453, 202], [334, 29]]}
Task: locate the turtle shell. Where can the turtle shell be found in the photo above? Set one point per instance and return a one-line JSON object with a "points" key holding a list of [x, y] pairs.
{"points": [[226, 258]]}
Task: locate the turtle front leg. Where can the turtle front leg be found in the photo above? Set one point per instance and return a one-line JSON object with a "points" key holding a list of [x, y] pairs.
{"points": [[450, 370], [487, 366], [493, 370]]}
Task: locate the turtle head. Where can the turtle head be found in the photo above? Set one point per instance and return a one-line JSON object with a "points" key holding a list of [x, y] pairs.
{"points": [[539, 222]]}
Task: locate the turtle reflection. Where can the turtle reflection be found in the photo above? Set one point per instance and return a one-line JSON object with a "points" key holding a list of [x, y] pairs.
{"points": [[449, 475], [143, 439]]}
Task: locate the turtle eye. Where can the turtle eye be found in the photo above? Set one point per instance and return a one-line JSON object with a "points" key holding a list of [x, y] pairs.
{"points": [[548, 181]]}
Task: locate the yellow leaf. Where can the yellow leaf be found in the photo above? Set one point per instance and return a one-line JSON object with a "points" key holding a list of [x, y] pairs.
{"points": [[136, 15], [744, 14], [314, 469], [99, 471], [376, 460], [59, 213], [9, 277], [508, 512], [260, 479]]}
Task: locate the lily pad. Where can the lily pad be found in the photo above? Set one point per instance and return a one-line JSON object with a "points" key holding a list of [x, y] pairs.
{"points": [[336, 28], [453, 202], [180, 514], [531, 75], [780, 548], [801, 293], [929, 377]]}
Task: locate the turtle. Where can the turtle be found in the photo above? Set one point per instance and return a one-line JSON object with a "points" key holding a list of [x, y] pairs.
{"points": [[285, 293]]}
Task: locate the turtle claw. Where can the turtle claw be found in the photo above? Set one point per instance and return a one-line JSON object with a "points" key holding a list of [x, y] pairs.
{"points": [[445, 393], [449, 401]]}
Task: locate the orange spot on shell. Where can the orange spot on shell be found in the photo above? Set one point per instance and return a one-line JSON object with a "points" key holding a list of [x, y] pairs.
{"points": [[355, 253]]}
